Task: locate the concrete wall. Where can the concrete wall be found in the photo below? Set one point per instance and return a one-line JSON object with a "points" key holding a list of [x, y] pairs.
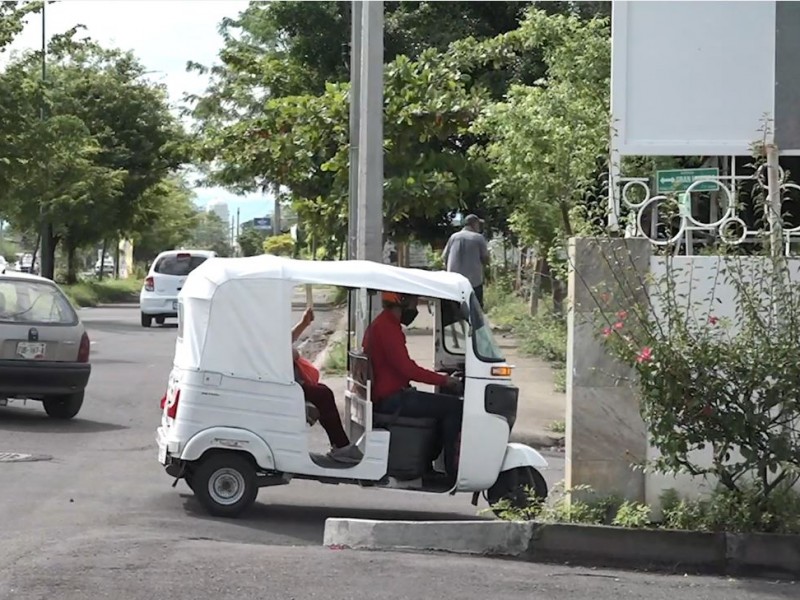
{"points": [[605, 433]]}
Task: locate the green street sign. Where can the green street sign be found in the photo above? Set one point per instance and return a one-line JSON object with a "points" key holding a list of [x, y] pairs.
{"points": [[677, 180]]}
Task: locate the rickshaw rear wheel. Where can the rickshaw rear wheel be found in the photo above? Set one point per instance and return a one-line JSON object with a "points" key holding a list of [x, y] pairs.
{"points": [[225, 483], [521, 488]]}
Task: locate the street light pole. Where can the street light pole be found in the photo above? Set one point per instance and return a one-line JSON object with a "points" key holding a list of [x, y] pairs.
{"points": [[355, 97], [46, 269]]}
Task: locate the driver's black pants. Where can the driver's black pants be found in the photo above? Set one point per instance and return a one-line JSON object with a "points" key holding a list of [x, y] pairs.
{"points": [[447, 410]]}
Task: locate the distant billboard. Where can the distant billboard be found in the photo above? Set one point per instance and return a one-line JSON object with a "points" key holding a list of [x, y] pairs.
{"points": [[699, 78], [264, 223]]}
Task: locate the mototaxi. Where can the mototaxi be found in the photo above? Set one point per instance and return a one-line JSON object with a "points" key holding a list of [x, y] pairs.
{"points": [[234, 419]]}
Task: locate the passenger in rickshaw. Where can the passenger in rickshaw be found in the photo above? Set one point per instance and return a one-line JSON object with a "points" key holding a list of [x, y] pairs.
{"points": [[321, 396], [393, 370]]}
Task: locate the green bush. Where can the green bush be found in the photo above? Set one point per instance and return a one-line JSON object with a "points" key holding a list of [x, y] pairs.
{"points": [[108, 291], [336, 361], [722, 511], [279, 245]]}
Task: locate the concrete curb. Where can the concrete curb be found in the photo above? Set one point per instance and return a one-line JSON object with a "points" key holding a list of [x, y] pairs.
{"points": [[492, 538], [760, 555]]}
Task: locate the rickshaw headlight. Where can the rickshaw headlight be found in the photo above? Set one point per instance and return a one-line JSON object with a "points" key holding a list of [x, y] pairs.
{"points": [[501, 371]]}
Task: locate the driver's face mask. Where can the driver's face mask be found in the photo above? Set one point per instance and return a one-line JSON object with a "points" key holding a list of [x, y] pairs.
{"points": [[408, 315]]}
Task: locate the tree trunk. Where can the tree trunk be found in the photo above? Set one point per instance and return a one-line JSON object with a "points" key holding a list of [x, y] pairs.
{"points": [[536, 287], [559, 294], [36, 249], [520, 259], [116, 259], [72, 276], [48, 260], [103, 259], [565, 218]]}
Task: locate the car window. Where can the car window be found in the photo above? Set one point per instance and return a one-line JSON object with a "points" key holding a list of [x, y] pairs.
{"points": [[34, 302], [178, 264]]}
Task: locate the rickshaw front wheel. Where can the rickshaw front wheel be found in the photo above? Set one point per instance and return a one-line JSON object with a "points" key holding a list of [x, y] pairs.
{"points": [[225, 483], [522, 488]]}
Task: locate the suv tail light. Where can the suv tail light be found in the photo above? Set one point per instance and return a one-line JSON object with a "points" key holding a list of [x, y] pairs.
{"points": [[172, 409], [84, 348], [149, 284]]}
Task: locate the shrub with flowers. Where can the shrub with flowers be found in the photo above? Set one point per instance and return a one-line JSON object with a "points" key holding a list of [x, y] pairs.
{"points": [[730, 385]]}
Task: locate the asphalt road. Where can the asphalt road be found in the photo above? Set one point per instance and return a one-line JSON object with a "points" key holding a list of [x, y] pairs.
{"points": [[96, 517]]}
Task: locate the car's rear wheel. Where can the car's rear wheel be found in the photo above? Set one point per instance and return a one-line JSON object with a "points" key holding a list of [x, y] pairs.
{"points": [[225, 484], [147, 320], [160, 320], [63, 407]]}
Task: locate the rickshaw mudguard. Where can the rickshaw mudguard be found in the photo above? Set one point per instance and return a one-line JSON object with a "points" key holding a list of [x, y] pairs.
{"points": [[520, 455], [229, 438]]}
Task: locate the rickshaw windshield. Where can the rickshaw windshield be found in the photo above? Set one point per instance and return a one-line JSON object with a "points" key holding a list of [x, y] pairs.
{"points": [[483, 342]]}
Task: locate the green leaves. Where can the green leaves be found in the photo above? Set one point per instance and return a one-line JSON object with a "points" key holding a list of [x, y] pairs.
{"points": [[106, 140], [546, 139]]}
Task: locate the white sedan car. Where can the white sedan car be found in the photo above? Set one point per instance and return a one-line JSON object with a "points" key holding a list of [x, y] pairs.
{"points": [[158, 299]]}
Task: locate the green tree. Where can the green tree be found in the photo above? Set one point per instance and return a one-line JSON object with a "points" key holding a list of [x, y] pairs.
{"points": [[276, 111], [211, 233], [251, 241], [548, 141], [168, 221], [12, 19], [120, 116]]}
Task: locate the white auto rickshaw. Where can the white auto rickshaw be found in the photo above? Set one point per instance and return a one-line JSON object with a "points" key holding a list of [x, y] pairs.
{"points": [[234, 419]]}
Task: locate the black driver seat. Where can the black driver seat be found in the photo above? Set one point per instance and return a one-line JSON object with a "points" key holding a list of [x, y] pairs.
{"points": [[412, 440]]}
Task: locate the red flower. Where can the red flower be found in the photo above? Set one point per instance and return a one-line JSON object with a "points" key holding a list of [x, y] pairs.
{"points": [[645, 355], [618, 325], [622, 314], [606, 331], [707, 411], [713, 320]]}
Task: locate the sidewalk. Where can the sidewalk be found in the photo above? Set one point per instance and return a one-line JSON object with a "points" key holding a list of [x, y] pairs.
{"points": [[539, 405], [323, 296]]}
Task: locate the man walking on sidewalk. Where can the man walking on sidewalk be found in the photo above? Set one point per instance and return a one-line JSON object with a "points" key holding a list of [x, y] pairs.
{"points": [[467, 253]]}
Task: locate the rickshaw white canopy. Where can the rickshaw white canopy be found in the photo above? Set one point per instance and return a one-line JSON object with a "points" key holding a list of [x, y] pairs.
{"points": [[235, 314]]}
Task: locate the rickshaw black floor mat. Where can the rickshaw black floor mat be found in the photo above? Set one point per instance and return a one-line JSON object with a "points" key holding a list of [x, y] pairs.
{"points": [[326, 462]]}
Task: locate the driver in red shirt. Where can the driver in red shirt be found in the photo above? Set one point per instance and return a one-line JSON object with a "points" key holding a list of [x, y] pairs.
{"points": [[393, 370]]}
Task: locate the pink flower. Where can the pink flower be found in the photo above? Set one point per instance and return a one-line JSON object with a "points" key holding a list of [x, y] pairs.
{"points": [[713, 320], [618, 325], [606, 331], [645, 355], [622, 314]]}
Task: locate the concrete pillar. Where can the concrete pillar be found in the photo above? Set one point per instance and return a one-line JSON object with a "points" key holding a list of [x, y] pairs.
{"points": [[369, 221], [605, 433]]}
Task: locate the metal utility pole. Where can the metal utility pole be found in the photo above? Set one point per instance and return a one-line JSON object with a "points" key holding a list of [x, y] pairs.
{"points": [[238, 228], [355, 97], [369, 207], [276, 211], [369, 243], [47, 268]]}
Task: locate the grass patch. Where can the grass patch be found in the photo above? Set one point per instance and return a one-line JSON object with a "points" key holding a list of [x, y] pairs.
{"points": [[543, 336], [108, 291], [336, 361]]}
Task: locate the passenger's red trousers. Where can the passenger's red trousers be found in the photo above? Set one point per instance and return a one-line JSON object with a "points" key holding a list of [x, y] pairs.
{"points": [[321, 396]]}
